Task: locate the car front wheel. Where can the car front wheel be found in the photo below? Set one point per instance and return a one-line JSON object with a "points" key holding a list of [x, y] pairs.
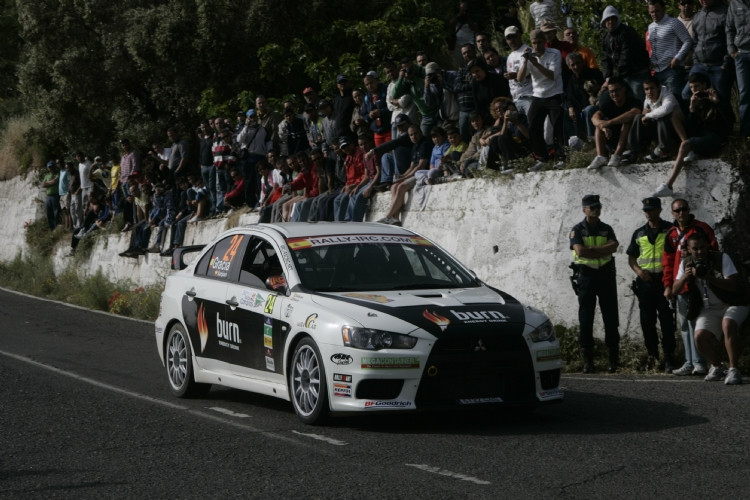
{"points": [[179, 363], [307, 382]]}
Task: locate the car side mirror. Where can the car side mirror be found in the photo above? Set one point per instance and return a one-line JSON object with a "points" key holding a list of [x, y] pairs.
{"points": [[277, 284]]}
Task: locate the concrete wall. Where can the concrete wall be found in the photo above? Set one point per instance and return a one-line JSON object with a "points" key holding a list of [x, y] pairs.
{"points": [[512, 231]]}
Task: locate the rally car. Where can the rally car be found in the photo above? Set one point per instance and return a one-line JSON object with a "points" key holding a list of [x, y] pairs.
{"points": [[350, 317]]}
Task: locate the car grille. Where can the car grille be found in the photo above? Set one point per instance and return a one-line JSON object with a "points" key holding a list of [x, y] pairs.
{"points": [[476, 368]]}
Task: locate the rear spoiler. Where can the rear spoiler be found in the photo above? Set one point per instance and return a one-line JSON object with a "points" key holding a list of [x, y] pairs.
{"points": [[178, 255]]}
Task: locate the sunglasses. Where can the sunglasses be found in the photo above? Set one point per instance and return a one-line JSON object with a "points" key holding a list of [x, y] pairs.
{"points": [[680, 209]]}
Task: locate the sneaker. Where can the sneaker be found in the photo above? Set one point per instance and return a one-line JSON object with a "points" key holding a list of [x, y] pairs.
{"points": [[71, 253], [80, 234], [559, 165], [662, 191], [626, 157], [387, 220], [507, 170], [656, 157], [127, 227], [691, 156], [614, 161], [154, 249], [734, 377], [537, 166], [714, 374], [700, 369], [686, 369], [598, 162]]}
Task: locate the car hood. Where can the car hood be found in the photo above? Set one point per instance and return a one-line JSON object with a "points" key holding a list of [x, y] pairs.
{"points": [[443, 313]]}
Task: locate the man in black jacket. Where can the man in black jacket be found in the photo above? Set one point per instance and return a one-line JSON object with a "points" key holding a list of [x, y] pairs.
{"points": [[624, 53]]}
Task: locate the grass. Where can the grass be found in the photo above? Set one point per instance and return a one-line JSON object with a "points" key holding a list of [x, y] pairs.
{"points": [[35, 275], [19, 151]]}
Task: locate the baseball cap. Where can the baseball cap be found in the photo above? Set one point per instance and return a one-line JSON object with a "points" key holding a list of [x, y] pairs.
{"points": [[402, 119], [373, 74], [250, 112], [308, 90], [651, 203], [591, 201], [342, 78], [50, 164], [431, 68], [343, 141], [511, 30], [323, 103]]}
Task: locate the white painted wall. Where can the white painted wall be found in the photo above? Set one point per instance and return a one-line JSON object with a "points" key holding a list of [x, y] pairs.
{"points": [[527, 217]]}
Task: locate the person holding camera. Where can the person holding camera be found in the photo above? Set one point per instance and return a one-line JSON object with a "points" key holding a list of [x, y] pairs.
{"points": [[719, 304], [593, 242], [545, 67], [645, 259], [675, 247], [704, 130]]}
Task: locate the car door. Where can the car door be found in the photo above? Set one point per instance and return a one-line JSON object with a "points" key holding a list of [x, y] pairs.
{"points": [[256, 308], [214, 336]]}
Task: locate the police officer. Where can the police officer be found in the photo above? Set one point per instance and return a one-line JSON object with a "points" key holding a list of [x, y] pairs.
{"points": [[645, 259], [593, 243]]}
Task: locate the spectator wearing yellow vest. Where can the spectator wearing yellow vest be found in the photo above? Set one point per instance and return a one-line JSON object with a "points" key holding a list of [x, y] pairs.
{"points": [[645, 259], [593, 242]]}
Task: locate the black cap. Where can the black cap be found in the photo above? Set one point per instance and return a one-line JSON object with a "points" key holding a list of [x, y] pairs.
{"points": [[323, 103], [401, 119], [591, 201], [652, 203], [344, 141]]}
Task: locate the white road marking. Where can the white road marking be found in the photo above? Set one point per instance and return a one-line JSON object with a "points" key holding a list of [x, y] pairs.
{"points": [[225, 411], [443, 472], [325, 439], [167, 404], [613, 378]]}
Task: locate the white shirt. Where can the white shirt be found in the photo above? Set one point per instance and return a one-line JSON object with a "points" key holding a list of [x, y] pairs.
{"points": [[518, 89], [727, 269], [83, 169], [662, 107], [543, 86]]}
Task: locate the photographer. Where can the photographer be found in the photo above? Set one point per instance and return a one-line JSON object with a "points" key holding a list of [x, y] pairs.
{"points": [[427, 95], [703, 132], [718, 303]]}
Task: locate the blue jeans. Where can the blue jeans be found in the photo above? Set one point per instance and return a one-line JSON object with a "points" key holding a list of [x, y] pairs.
{"points": [[340, 204], [223, 182], [635, 84], [464, 125], [687, 329], [742, 65], [52, 205], [358, 205], [208, 172], [673, 79]]}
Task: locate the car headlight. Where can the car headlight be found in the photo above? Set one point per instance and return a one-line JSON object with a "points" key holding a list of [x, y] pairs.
{"points": [[373, 340], [543, 332]]}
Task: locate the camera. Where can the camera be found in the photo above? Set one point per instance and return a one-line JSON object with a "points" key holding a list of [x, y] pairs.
{"points": [[433, 78], [701, 268], [702, 94]]}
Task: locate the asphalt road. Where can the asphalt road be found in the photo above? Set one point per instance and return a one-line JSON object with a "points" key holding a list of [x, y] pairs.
{"points": [[86, 413]]}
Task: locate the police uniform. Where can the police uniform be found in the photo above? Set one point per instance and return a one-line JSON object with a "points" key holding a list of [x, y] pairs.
{"points": [[596, 279], [647, 245]]}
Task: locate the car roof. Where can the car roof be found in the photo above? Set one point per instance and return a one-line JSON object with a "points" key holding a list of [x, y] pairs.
{"points": [[303, 229]]}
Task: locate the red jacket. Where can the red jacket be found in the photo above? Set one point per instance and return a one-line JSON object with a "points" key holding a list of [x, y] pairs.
{"points": [[307, 179], [675, 245]]}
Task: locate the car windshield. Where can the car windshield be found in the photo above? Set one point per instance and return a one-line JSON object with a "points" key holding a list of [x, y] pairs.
{"points": [[375, 262]]}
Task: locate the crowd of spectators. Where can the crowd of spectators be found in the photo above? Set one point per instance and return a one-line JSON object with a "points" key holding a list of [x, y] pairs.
{"points": [[658, 96]]}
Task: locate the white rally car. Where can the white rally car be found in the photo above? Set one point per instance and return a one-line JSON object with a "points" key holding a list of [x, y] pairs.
{"points": [[350, 317]]}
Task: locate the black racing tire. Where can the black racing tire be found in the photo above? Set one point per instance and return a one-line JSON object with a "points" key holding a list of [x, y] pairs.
{"points": [[308, 388], [178, 360]]}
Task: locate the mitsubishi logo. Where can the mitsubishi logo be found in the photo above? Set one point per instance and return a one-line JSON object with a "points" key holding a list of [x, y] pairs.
{"points": [[479, 346]]}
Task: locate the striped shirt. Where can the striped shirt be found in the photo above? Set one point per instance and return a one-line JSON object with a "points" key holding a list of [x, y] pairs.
{"points": [[669, 39]]}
